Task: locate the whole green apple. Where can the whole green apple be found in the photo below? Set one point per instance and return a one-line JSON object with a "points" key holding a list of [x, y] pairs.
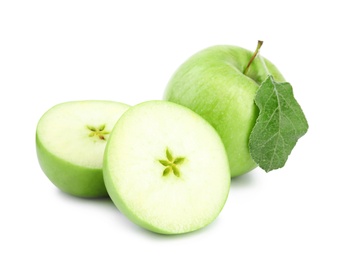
{"points": [[215, 84]]}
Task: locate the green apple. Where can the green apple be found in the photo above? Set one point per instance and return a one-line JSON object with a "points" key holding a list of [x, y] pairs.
{"points": [[165, 168], [70, 143], [213, 84]]}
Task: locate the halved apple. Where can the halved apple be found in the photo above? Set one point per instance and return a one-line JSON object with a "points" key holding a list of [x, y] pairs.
{"points": [[166, 168], [70, 143]]}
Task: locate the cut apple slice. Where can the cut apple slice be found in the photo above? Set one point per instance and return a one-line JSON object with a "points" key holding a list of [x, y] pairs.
{"points": [[166, 168], [70, 143]]}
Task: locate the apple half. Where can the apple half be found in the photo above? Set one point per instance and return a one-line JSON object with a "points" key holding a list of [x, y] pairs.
{"points": [[166, 168], [70, 143]]}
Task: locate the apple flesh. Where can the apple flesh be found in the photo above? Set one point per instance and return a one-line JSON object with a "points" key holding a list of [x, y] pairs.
{"points": [[70, 143], [212, 83], [166, 168]]}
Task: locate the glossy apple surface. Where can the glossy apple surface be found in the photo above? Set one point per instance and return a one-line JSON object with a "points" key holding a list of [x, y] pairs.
{"points": [[212, 84]]}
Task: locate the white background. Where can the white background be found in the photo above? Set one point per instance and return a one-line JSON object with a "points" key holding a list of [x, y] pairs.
{"points": [[57, 51]]}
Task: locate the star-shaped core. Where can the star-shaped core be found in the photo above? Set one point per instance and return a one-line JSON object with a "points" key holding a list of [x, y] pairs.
{"points": [[171, 164], [98, 131]]}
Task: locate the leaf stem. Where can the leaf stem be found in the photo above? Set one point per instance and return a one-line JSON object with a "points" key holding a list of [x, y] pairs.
{"points": [[259, 44]]}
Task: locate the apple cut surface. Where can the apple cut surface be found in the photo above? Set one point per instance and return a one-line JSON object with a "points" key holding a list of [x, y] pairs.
{"points": [[70, 143], [166, 168]]}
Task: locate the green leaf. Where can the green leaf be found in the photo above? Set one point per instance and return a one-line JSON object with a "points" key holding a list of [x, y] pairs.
{"points": [[280, 124]]}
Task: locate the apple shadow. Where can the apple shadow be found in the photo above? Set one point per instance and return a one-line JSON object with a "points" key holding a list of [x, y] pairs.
{"points": [[155, 236], [104, 204], [103, 201], [195, 233], [244, 180]]}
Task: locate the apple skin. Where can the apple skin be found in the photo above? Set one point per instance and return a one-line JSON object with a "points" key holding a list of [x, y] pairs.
{"points": [[70, 178], [212, 84]]}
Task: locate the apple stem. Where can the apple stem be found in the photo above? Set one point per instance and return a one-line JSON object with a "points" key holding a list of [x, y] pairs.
{"points": [[259, 44]]}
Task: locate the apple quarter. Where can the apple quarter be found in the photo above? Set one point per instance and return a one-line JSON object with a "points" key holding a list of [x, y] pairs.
{"points": [[166, 168], [70, 143]]}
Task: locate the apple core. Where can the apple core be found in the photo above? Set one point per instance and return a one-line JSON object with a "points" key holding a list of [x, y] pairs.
{"points": [[171, 164], [99, 132]]}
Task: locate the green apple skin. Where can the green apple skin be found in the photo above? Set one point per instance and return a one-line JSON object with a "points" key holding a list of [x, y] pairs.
{"points": [[212, 84], [70, 178]]}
